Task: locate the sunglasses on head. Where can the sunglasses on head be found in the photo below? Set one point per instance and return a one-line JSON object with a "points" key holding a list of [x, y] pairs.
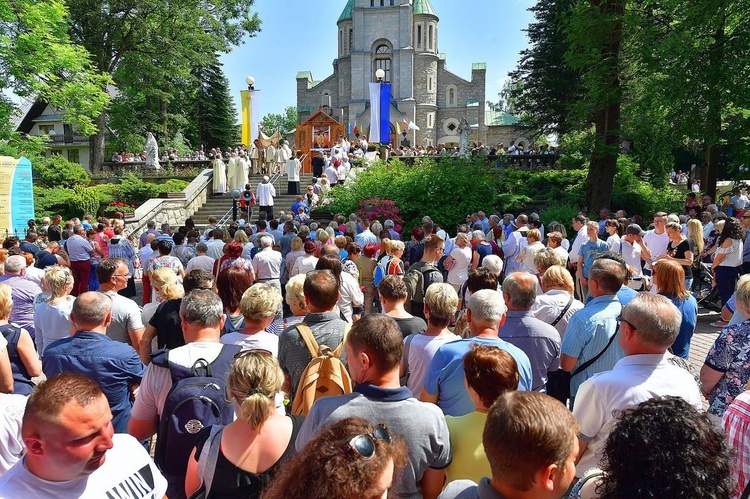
{"points": [[364, 445]]}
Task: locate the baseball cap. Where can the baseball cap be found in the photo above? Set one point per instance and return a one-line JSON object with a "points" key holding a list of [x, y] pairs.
{"points": [[635, 229]]}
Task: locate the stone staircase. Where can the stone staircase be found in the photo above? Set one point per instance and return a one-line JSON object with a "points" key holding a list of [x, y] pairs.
{"points": [[217, 206]]}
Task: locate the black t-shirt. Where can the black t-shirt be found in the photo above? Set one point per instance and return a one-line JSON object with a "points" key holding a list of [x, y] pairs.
{"points": [[54, 233], [679, 252], [166, 321], [232, 482], [411, 325]]}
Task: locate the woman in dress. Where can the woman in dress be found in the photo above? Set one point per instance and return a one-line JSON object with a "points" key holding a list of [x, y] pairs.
{"points": [[220, 175], [458, 261], [252, 449], [728, 258], [52, 315], [614, 233], [349, 458], [669, 278]]}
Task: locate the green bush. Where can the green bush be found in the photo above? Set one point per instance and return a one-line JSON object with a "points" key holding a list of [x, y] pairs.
{"points": [[106, 193], [135, 190], [174, 185], [84, 201], [56, 171], [560, 212], [47, 202], [636, 196]]}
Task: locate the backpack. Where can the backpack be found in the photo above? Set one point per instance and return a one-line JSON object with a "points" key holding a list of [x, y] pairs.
{"points": [[196, 400], [381, 271], [324, 376], [415, 285]]}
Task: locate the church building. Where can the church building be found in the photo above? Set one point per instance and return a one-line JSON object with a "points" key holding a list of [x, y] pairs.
{"points": [[400, 37]]}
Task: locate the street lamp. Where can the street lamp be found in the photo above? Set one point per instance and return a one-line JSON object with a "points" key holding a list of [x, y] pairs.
{"points": [[235, 197], [379, 75], [250, 83]]}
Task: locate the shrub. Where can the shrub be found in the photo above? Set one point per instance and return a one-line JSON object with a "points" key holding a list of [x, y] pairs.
{"points": [[84, 201], [106, 193], [56, 171], [174, 185], [47, 202], [135, 190]]}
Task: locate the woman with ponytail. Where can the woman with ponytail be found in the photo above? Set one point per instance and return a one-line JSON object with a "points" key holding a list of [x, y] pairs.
{"points": [[250, 449]]}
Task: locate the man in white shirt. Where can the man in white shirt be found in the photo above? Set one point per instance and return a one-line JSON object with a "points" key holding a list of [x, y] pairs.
{"points": [[515, 243], [633, 251], [72, 450], [649, 325], [656, 240], [266, 193], [202, 316]]}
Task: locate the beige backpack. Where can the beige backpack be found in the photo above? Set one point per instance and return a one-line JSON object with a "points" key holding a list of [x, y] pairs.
{"points": [[324, 376]]}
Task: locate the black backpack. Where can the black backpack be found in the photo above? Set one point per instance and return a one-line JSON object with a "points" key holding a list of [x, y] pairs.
{"points": [[196, 400]]}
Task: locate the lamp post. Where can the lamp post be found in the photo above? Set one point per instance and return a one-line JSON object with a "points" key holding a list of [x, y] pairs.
{"points": [[248, 101], [235, 197]]}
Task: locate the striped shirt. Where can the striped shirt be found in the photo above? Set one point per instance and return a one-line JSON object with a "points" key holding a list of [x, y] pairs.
{"points": [[736, 422]]}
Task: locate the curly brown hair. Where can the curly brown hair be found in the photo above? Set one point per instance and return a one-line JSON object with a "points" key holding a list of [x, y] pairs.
{"points": [[326, 468]]}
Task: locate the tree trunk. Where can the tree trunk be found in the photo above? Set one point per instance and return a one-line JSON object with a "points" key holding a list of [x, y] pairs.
{"points": [[96, 144], [163, 115], [710, 169], [603, 163]]}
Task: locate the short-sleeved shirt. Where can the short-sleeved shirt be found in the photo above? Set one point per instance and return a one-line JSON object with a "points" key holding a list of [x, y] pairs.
{"points": [[419, 424], [78, 248], [327, 328], [678, 251], [589, 251], [538, 340], [588, 332], [445, 376], [422, 349], [728, 355], [166, 321], [114, 365], [126, 316], [469, 459], [410, 325], [261, 340]]}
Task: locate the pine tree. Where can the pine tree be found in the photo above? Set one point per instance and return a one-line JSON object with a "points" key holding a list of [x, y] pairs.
{"points": [[211, 115]]}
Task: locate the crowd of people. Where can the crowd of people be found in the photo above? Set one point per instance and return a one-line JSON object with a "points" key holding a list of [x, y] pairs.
{"points": [[505, 360]]}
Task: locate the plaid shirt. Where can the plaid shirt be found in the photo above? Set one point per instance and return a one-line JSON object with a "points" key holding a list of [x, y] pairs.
{"points": [[736, 421]]}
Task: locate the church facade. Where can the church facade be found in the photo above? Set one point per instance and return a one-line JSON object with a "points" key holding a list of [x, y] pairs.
{"points": [[401, 38]]}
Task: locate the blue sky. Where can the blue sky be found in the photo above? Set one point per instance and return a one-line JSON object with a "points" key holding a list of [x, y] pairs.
{"points": [[299, 35]]}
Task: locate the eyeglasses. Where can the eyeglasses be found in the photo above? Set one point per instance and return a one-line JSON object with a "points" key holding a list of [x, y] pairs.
{"points": [[620, 320], [128, 275], [364, 445]]}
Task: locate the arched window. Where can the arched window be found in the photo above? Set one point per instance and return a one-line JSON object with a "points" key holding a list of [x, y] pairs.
{"points": [[382, 61], [450, 96]]}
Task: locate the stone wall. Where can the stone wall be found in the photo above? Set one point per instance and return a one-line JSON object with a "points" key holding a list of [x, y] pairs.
{"points": [[171, 211]]}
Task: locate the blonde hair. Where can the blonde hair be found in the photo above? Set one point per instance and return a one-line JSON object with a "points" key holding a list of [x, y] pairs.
{"points": [[557, 277], [462, 236], [742, 293], [695, 233], [6, 301], [396, 246], [253, 381], [546, 258], [295, 293], [241, 237], [164, 280], [297, 243], [322, 236], [259, 302], [56, 279], [441, 300], [534, 234], [386, 246]]}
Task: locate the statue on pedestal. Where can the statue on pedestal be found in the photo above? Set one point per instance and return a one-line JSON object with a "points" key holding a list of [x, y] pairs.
{"points": [[152, 152], [464, 130]]}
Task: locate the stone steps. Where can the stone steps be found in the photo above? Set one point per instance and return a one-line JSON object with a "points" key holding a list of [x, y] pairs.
{"points": [[217, 206]]}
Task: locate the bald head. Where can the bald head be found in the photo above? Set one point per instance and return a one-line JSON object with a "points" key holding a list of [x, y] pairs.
{"points": [[150, 237], [329, 250], [519, 290], [91, 311]]}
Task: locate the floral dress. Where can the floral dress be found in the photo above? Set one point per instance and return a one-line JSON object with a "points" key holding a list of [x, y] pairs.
{"points": [[730, 354]]}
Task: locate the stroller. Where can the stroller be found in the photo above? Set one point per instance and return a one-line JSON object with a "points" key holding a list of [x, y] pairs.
{"points": [[705, 294]]}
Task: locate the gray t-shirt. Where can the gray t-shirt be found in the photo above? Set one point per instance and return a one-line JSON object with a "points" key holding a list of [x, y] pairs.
{"points": [[327, 328], [126, 316], [466, 489], [421, 425], [421, 351], [539, 340]]}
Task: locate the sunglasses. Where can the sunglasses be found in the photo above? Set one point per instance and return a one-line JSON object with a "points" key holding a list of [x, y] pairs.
{"points": [[364, 445]]}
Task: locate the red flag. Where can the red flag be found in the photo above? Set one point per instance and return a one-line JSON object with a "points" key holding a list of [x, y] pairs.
{"points": [[356, 129], [406, 125]]}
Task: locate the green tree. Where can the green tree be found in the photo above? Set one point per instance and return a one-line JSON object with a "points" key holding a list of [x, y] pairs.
{"points": [[283, 122], [211, 115], [38, 60], [152, 45]]}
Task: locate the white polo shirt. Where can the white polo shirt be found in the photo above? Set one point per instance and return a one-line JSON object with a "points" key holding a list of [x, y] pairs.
{"points": [[656, 243], [634, 379]]}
